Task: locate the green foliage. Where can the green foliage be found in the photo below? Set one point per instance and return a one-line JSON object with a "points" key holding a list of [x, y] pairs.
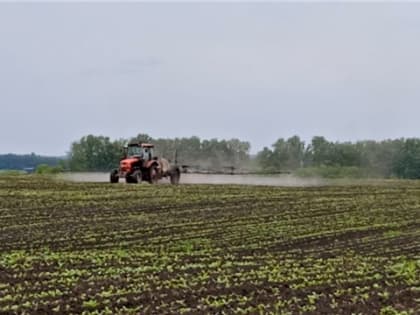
{"points": [[46, 169], [98, 153], [407, 164], [389, 158], [407, 269], [95, 153], [211, 154], [90, 304], [389, 310], [286, 155]]}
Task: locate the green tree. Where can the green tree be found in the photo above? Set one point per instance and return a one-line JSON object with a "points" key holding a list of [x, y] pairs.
{"points": [[379, 158], [94, 153], [266, 160], [345, 154], [320, 151], [407, 163], [286, 155], [143, 138], [296, 152]]}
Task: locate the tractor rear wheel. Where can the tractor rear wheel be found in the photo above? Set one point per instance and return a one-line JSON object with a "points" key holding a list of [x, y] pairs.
{"points": [[153, 175], [137, 177]]}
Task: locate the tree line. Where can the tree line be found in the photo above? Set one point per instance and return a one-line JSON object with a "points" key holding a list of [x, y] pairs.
{"points": [[389, 158], [99, 153], [27, 161], [399, 158]]}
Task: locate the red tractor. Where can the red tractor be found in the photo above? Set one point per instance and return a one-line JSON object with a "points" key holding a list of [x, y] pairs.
{"points": [[139, 164]]}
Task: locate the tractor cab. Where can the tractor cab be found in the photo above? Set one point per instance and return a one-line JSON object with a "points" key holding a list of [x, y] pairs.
{"points": [[142, 151]]}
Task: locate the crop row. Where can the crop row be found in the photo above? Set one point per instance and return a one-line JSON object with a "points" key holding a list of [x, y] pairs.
{"points": [[71, 248]]}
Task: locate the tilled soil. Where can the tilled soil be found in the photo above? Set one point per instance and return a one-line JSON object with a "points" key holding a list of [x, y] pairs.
{"points": [[97, 248]]}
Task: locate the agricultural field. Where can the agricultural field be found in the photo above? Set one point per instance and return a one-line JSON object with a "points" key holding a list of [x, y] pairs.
{"points": [[98, 248]]}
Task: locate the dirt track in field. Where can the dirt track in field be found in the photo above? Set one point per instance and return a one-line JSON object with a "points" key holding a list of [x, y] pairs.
{"points": [[275, 180]]}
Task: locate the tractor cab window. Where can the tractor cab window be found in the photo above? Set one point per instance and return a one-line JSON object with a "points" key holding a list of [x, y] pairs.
{"points": [[135, 151], [148, 154]]}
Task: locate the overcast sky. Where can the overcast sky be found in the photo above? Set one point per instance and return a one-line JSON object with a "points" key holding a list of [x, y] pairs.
{"points": [[251, 71]]}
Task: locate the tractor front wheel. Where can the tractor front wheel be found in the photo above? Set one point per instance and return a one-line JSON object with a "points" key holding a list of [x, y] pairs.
{"points": [[134, 178], [114, 177]]}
